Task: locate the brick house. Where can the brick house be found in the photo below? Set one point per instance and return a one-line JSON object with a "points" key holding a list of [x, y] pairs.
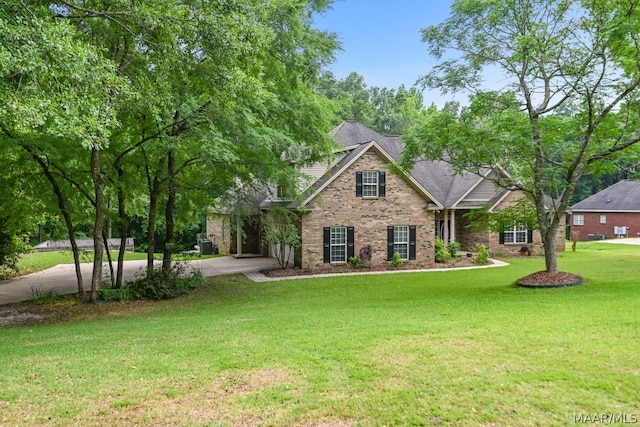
{"points": [[611, 213], [359, 202]]}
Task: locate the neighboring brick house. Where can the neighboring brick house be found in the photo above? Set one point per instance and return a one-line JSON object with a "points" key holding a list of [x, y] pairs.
{"points": [[611, 213], [359, 202]]}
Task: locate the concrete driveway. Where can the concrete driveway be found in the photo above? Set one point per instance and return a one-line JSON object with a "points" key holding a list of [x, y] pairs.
{"points": [[62, 278], [626, 241]]}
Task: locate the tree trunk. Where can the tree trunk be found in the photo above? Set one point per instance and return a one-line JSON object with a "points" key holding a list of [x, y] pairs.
{"points": [[72, 234], [105, 238], [124, 229], [550, 254], [169, 217], [62, 205], [154, 193], [98, 244]]}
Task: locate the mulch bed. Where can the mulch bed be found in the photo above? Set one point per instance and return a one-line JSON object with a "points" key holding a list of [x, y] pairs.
{"points": [[545, 279], [338, 269]]}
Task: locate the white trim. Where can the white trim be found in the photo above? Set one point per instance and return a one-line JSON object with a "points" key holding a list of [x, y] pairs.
{"points": [[500, 200], [609, 211], [483, 177], [473, 187], [388, 158]]}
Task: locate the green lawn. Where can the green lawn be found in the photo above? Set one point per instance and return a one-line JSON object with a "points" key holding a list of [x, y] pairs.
{"points": [[439, 348]]}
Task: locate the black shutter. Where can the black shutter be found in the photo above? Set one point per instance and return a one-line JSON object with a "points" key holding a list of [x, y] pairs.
{"points": [[389, 242], [382, 184], [350, 242], [412, 242], [358, 184], [326, 244], [529, 236], [501, 238]]}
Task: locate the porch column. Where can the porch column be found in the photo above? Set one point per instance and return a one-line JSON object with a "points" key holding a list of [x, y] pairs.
{"points": [[238, 237], [445, 232], [453, 225]]}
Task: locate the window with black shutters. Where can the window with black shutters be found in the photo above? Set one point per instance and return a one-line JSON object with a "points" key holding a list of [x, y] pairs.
{"points": [[338, 244], [371, 184], [401, 239]]}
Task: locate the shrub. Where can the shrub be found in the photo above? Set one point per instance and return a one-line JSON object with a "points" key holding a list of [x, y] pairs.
{"points": [[396, 261], [481, 254], [108, 294], [161, 285], [452, 250], [41, 297], [441, 254], [355, 261]]}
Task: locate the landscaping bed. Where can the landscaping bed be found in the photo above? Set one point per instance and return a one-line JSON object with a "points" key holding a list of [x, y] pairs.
{"points": [[346, 268], [545, 279]]}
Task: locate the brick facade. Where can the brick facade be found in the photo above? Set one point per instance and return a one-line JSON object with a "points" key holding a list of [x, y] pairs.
{"points": [[593, 227], [468, 239], [219, 231], [337, 205]]}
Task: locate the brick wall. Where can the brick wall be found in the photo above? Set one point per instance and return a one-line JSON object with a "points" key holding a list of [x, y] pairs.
{"points": [[593, 226], [337, 205], [467, 238], [219, 231]]}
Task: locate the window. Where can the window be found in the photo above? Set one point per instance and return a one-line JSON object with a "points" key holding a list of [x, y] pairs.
{"points": [[370, 184], [603, 219], [401, 239], [578, 219], [516, 234], [338, 244]]}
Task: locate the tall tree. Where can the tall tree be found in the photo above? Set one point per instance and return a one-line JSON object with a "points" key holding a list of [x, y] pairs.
{"points": [[570, 70], [388, 111], [56, 90]]}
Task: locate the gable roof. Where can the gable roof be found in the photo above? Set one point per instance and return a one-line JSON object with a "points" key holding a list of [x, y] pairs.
{"points": [[623, 196], [356, 151], [436, 177], [436, 180]]}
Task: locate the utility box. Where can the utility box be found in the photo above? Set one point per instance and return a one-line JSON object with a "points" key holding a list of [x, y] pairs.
{"points": [[206, 247], [620, 231]]}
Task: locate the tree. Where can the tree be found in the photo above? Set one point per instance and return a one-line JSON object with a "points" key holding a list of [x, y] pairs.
{"points": [[280, 230], [569, 104], [388, 111]]}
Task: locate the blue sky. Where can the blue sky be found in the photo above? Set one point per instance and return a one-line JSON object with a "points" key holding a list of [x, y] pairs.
{"points": [[381, 39]]}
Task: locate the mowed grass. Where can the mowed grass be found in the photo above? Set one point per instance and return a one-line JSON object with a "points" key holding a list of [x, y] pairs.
{"points": [[437, 348]]}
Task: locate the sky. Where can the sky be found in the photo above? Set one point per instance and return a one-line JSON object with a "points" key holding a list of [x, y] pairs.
{"points": [[381, 40]]}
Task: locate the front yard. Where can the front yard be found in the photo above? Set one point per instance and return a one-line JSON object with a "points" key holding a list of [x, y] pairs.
{"points": [[436, 348]]}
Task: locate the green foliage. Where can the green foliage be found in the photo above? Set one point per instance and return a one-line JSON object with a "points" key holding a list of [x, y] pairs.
{"points": [[176, 102], [396, 260], [441, 253], [238, 334], [11, 247], [280, 229], [480, 254], [40, 297], [107, 294], [452, 249], [564, 108], [521, 211], [388, 111], [161, 285], [355, 262]]}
